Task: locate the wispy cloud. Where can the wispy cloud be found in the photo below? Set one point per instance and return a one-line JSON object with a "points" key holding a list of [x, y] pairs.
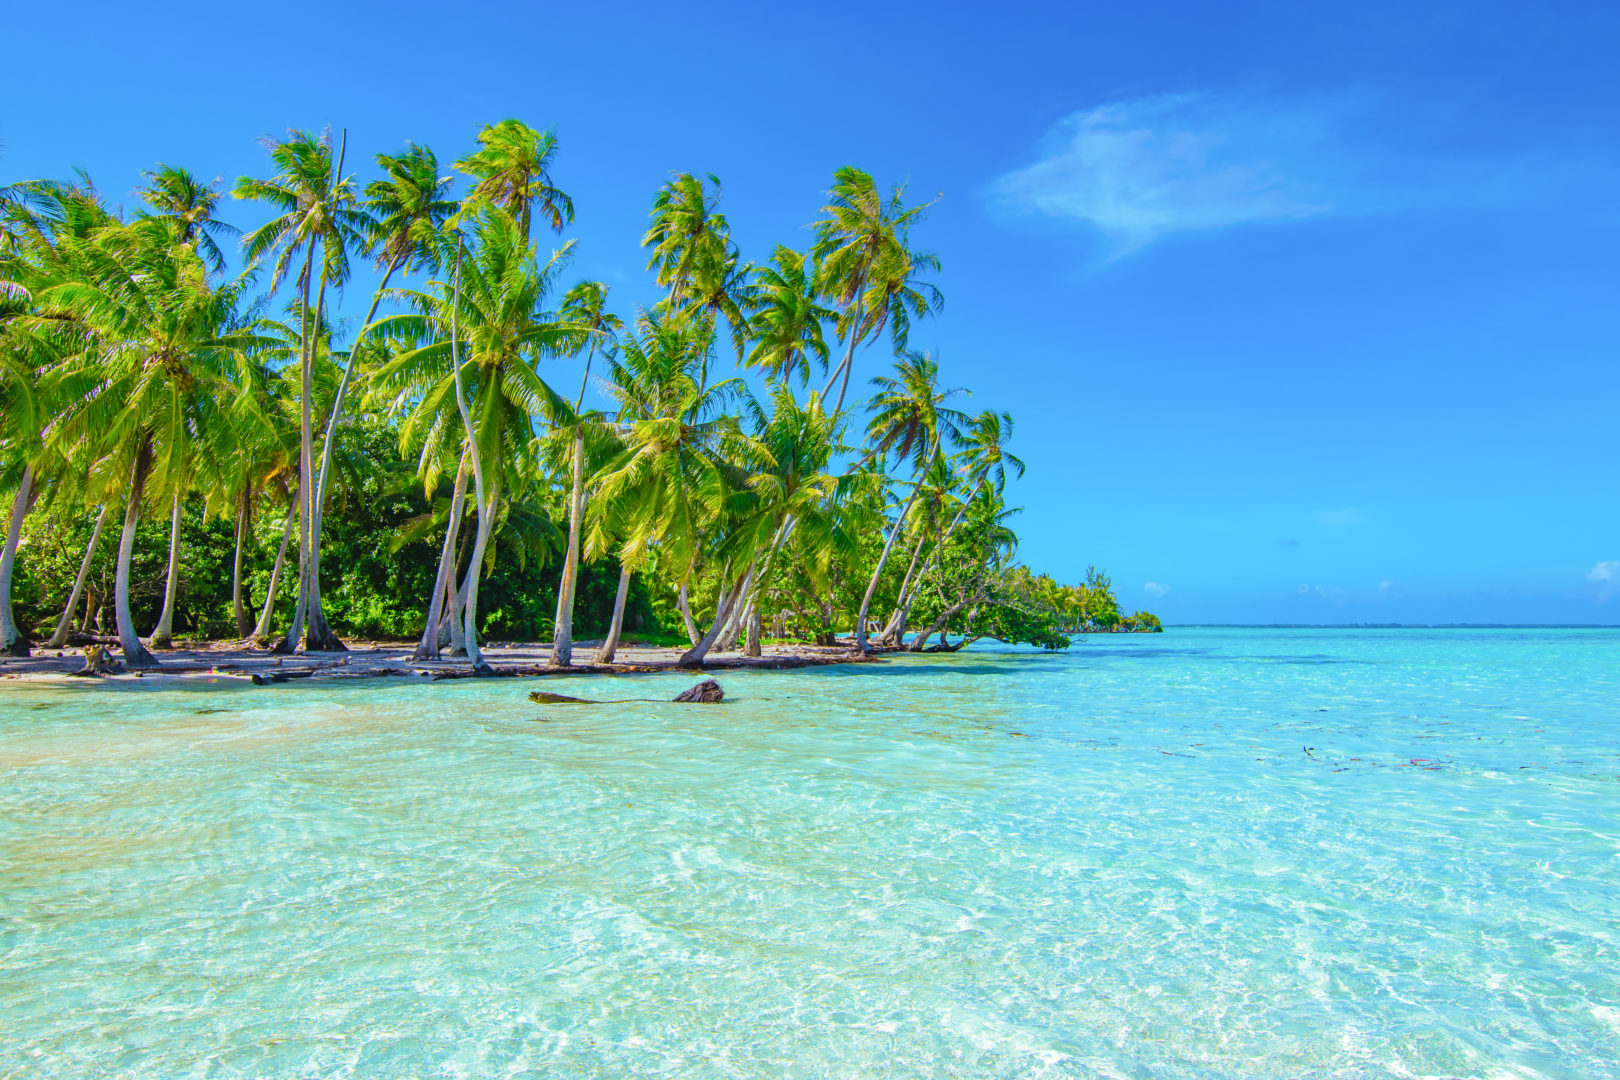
{"points": [[1154, 588], [1606, 576], [1143, 169]]}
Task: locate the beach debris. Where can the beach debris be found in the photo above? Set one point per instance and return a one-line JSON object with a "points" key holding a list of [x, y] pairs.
{"points": [[707, 692], [97, 663], [540, 697]]}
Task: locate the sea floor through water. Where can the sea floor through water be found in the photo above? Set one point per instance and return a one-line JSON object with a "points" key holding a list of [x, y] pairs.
{"points": [[1211, 853]]}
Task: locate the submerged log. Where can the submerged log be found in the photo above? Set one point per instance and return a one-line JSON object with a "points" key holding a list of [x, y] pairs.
{"points": [[707, 692]]}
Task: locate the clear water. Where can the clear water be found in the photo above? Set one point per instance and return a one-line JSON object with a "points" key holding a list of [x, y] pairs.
{"points": [[1208, 853]]}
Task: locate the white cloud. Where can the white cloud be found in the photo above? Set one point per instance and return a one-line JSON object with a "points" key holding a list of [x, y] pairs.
{"points": [[1153, 588], [1139, 170], [1608, 570], [1385, 585]]}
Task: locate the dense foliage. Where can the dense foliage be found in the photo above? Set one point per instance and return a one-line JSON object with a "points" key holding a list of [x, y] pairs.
{"points": [[181, 453]]}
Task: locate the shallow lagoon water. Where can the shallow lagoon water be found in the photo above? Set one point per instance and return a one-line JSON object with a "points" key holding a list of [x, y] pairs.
{"points": [[1207, 853]]}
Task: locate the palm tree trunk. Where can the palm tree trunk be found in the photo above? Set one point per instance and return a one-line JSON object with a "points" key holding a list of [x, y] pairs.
{"points": [[262, 630], [610, 647], [901, 604], [562, 637], [849, 361], [751, 645], [486, 508], [306, 487], [693, 657], [685, 609], [163, 636], [728, 638], [894, 532], [428, 647], [65, 624], [933, 560], [469, 633], [12, 642], [239, 610], [135, 654], [320, 636]]}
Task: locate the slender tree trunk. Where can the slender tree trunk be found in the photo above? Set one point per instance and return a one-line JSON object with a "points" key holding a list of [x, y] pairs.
{"points": [[562, 637], [65, 624], [610, 647], [693, 657], [849, 360], [866, 601], [90, 607], [469, 633], [135, 654], [12, 642], [900, 606], [321, 636], [163, 636], [933, 561], [261, 632], [728, 637], [306, 486], [685, 609], [486, 507], [239, 611], [428, 647], [751, 645]]}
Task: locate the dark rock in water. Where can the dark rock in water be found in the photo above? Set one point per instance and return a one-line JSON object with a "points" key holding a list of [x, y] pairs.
{"points": [[706, 692], [97, 662]]}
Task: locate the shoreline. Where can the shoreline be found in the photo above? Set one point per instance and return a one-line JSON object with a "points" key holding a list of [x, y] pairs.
{"points": [[372, 659]]}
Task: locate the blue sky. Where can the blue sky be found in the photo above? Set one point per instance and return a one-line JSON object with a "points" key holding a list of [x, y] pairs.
{"points": [[1305, 315]]}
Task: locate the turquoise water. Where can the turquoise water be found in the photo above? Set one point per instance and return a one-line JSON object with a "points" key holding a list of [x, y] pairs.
{"points": [[1207, 853]]}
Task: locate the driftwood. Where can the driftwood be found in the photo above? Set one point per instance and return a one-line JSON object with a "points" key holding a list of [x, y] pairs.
{"points": [[706, 692]]}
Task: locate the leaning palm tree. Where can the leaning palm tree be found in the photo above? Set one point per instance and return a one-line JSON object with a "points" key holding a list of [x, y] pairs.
{"points": [[159, 353], [188, 204], [688, 235], [585, 317], [403, 213], [513, 171], [909, 419], [867, 267], [668, 484], [474, 382], [317, 208]]}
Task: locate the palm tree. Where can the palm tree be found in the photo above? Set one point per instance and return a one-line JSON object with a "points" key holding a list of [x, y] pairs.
{"points": [[867, 267], [668, 484], [786, 324], [909, 419], [188, 204], [513, 171], [403, 214], [982, 458], [687, 235], [161, 348], [584, 314], [485, 333], [317, 205]]}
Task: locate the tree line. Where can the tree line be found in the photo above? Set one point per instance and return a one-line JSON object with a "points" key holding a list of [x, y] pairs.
{"points": [[139, 374]]}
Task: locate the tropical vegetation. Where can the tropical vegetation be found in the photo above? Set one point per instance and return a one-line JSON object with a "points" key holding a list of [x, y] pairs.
{"points": [[267, 471]]}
